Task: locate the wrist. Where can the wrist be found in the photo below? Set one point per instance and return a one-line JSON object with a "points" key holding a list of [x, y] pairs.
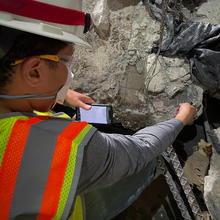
{"points": [[182, 119]]}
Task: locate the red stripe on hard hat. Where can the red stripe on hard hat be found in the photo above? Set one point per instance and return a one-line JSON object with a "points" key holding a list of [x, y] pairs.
{"points": [[43, 11]]}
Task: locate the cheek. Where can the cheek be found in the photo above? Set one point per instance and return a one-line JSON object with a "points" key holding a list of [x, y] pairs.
{"points": [[64, 76], [59, 77]]}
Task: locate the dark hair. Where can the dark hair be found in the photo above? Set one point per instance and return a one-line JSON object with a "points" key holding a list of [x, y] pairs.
{"points": [[24, 45]]}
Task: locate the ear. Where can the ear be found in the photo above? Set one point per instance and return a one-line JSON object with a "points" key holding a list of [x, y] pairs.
{"points": [[32, 70]]}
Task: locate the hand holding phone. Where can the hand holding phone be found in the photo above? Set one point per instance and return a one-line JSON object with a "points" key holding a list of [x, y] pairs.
{"points": [[98, 114]]}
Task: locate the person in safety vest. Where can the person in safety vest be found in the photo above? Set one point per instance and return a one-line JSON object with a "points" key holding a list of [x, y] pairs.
{"points": [[52, 167]]}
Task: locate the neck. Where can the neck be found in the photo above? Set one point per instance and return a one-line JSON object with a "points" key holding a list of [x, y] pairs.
{"points": [[4, 107], [7, 106]]}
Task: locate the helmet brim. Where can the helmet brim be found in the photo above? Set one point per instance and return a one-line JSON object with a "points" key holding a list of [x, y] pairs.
{"points": [[42, 29]]}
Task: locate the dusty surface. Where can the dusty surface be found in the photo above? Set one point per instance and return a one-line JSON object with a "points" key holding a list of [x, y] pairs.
{"points": [[196, 166], [212, 180], [119, 68]]}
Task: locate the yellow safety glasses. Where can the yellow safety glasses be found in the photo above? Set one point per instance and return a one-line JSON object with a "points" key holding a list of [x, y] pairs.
{"points": [[54, 58], [69, 61]]}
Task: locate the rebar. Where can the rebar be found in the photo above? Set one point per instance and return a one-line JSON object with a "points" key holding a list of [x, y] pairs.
{"points": [[175, 192], [171, 157]]}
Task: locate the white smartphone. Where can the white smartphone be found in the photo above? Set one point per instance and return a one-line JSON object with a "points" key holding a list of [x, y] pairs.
{"points": [[98, 114]]}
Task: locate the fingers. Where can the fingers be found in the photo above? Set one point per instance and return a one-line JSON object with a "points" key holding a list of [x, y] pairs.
{"points": [[88, 100], [177, 110], [185, 106], [186, 113], [85, 106], [79, 100], [84, 101]]}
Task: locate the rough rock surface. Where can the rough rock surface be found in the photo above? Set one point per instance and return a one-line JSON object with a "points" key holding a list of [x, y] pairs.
{"points": [[208, 12], [212, 181], [119, 68], [197, 165], [101, 18]]}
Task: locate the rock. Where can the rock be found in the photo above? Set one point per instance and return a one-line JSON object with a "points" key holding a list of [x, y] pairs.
{"points": [[212, 181], [197, 164], [100, 17], [155, 81], [116, 69], [208, 12]]}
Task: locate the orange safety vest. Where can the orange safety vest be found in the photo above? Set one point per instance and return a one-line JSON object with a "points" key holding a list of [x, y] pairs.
{"points": [[40, 163]]}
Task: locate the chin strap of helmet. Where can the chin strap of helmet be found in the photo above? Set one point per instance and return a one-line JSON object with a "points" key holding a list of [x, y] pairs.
{"points": [[46, 12]]}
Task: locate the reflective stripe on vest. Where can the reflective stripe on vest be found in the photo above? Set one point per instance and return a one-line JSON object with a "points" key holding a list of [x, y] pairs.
{"points": [[40, 166]]}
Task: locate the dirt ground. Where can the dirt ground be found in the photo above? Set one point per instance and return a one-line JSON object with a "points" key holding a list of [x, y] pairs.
{"points": [[155, 203]]}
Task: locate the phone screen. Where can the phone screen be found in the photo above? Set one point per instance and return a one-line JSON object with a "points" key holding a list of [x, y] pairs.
{"points": [[98, 114]]}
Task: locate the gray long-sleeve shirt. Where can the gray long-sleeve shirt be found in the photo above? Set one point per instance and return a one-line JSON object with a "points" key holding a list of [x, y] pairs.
{"points": [[108, 158], [111, 157]]}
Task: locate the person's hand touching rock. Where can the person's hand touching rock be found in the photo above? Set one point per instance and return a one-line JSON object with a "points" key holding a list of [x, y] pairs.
{"points": [[186, 113]]}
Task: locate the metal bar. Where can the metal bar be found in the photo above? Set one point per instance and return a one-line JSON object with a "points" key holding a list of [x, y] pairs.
{"points": [[174, 161], [175, 192]]}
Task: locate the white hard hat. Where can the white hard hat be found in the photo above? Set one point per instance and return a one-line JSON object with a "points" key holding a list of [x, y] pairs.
{"points": [[57, 19]]}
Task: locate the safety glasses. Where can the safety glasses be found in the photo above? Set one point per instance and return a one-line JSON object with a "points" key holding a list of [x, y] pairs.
{"points": [[69, 61]]}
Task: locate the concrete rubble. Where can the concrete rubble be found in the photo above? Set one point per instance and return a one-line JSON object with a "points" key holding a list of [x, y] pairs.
{"points": [[196, 166], [212, 180], [120, 69]]}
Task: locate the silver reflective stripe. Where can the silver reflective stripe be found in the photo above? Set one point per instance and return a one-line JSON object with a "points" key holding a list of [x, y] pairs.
{"points": [[35, 166], [79, 159], [15, 114]]}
